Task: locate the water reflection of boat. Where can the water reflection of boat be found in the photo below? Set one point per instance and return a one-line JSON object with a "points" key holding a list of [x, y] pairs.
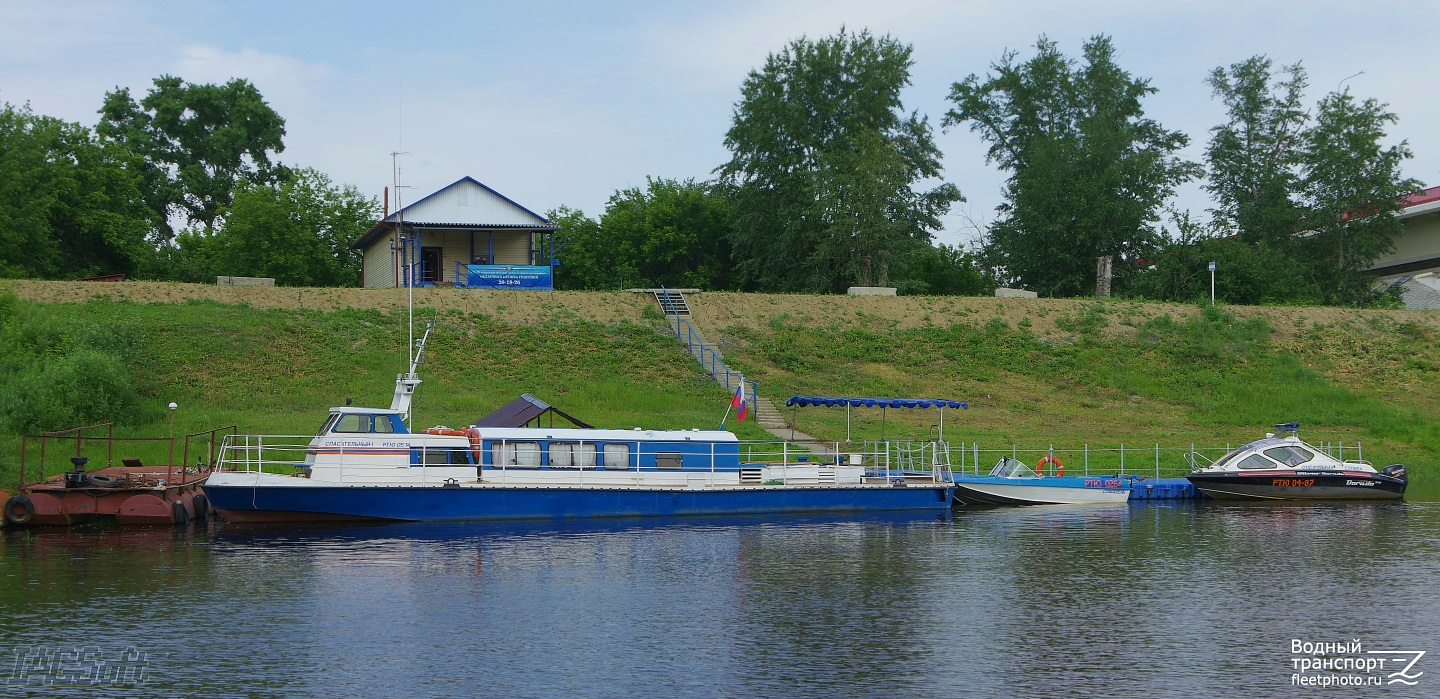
{"points": [[1285, 468], [365, 463], [1011, 482]]}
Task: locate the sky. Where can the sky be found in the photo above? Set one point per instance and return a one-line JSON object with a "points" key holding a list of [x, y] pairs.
{"points": [[565, 103]]}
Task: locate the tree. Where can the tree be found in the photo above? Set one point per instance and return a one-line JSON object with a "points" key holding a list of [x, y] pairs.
{"points": [[1088, 173], [825, 165], [1352, 190], [671, 233], [1252, 159], [1315, 197], [298, 231], [68, 205], [198, 144]]}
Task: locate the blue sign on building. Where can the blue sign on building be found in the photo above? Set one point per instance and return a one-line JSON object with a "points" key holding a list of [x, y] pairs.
{"points": [[509, 276]]}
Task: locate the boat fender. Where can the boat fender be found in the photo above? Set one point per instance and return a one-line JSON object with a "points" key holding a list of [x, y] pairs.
{"points": [[19, 510], [201, 505], [1396, 471], [1050, 459], [179, 514], [473, 433]]}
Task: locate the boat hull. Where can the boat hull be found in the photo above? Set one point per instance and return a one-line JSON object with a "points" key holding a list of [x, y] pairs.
{"points": [[1298, 486], [240, 503], [1050, 490]]}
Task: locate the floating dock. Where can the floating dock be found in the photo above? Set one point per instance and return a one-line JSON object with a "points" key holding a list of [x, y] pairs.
{"points": [[1164, 489]]}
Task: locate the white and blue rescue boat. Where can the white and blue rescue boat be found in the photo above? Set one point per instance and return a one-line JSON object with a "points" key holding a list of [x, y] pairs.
{"points": [[366, 464]]}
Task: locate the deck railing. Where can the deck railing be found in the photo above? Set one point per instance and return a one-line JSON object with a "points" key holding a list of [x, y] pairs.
{"points": [[157, 452], [788, 463], [1142, 460]]}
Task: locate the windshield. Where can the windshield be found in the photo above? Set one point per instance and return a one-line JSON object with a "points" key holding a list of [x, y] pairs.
{"points": [[1011, 468]]}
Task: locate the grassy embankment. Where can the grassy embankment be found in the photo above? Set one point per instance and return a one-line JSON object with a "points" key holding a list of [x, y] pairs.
{"points": [[1065, 373]]}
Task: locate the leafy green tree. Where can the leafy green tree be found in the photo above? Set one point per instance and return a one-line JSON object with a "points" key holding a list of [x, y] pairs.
{"points": [[1352, 189], [198, 144], [68, 205], [1314, 198], [1252, 159], [298, 231], [825, 165], [1088, 172], [671, 233]]}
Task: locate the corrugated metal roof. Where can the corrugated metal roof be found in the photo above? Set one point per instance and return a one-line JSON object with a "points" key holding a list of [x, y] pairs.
{"points": [[466, 203], [522, 411]]}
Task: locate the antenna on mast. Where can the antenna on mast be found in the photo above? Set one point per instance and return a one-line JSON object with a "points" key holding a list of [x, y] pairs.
{"points": [[405, 383]]}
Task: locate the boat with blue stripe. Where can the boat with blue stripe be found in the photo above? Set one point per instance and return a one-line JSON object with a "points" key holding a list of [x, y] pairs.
{"points": [[366, 464], [1011, 482]]}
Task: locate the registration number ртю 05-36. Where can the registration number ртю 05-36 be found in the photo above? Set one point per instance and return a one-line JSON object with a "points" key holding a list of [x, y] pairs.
{"points": [[1301, 482]]}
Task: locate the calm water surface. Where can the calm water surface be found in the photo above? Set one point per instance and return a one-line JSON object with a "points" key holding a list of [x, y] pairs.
{"points": [[1180, 600]]}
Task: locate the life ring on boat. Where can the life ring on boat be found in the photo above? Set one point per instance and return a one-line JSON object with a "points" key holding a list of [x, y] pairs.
{"points": [[1050, 459], [473, 433], [443, 430], [19, 510]]}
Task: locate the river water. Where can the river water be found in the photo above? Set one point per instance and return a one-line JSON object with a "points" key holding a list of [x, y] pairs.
{"points": [[1140, 600]]}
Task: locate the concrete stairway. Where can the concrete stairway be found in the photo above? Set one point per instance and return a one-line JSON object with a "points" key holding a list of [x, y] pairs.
{"points": [[768, 416]]}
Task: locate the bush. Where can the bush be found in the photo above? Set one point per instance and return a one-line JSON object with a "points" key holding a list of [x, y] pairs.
{"points": [[57, 376]]}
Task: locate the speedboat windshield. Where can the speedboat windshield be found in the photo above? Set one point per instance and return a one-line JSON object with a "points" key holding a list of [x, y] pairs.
{"points": [[1011, 468]]}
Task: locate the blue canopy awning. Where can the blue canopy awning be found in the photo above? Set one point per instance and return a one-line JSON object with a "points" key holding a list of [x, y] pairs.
{"points": [[830, 401]]}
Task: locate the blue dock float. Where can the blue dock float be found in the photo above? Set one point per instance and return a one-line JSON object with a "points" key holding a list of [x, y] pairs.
{"points": [[1163, 489]]}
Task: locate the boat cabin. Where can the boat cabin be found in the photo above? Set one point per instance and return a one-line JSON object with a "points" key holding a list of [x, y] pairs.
{"points": [[1281, 453]]}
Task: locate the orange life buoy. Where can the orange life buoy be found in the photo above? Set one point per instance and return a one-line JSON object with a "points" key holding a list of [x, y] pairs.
{"points": [[1050, 459], [443, 430], [473, 433]]}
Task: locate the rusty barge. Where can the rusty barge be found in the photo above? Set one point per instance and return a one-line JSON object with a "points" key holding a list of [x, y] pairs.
{"points": [[123, 489]]}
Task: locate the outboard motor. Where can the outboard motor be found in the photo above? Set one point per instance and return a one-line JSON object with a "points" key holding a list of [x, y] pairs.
{"points": [[1396, 471]]}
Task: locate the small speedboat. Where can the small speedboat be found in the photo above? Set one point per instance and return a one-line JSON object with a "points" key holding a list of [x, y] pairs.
{"points": [[1285, 468], [1011, 482]]}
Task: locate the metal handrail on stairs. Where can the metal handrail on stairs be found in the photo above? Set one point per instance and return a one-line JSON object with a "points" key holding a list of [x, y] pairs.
{"points": [[710, 359]]}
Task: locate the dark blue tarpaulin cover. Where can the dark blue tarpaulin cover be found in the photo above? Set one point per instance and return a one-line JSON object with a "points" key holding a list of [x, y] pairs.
{"points": [[876, 402]]}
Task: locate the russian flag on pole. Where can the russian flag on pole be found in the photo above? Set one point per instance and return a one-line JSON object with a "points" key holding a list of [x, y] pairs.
{"points": [[738, 401]]}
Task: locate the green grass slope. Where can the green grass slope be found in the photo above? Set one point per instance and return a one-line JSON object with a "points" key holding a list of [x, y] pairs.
{"points": [[1071, 374]]}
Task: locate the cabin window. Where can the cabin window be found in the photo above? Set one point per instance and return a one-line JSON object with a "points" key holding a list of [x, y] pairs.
{"points": [[384, 425], [524, 454], [329, 422], [1290, 456], [617, 457], [351, 422], [1255, 462], [571, 455], [668, 459], [443, 456]]}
